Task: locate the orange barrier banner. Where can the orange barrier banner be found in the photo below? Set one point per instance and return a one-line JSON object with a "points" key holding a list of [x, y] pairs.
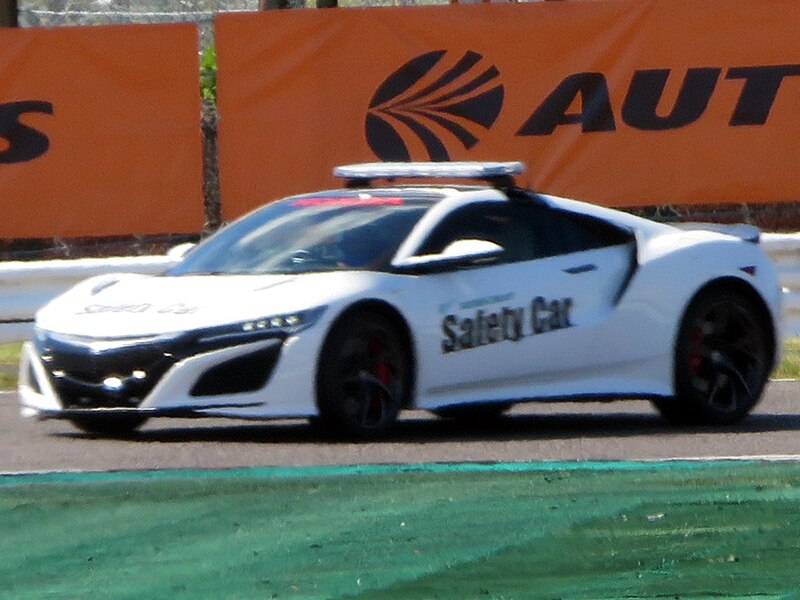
{"points": [[619, 102], [99, 131]]}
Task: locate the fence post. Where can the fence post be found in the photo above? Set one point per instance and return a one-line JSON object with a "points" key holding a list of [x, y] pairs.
{"points": [[8, 13]]}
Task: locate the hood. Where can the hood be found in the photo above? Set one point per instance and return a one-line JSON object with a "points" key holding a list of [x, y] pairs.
{"points": [[116, 306]]}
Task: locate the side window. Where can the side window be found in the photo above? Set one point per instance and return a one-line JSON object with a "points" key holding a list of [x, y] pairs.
{"points": [[526, 231], [553, 232], [557, 232], [491, 221]]}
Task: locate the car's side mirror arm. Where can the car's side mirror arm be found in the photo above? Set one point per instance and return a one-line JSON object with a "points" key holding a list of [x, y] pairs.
{"points": [[461, 254]]}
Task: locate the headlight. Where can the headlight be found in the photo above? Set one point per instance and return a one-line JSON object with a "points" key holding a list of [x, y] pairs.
{"points": [[284, 324]]}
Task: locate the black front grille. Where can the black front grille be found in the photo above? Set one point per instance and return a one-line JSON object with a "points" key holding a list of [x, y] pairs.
{"points": [[122, 376], [118, 377]]}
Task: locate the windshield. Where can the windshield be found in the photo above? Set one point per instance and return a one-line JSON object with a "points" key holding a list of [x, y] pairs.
{"points": [[340, 230]]}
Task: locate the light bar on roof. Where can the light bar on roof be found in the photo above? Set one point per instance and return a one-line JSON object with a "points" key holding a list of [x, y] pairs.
{"points": [[390, 170]]}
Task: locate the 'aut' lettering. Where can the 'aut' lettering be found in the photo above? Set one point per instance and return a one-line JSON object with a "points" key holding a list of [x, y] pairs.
{"points": [[641, 108], [23, 143]]}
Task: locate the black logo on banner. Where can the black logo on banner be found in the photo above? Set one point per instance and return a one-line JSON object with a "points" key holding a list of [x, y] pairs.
{"points": [[23, 143], [437, 100]]}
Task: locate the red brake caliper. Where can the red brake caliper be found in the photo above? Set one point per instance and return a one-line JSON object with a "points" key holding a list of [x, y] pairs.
{"points": [[381, 368], [696, 358]]}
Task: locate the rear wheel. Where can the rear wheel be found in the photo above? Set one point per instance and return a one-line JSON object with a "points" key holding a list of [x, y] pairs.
{"points": [[108, 425], [363, 377], [723, 357]]}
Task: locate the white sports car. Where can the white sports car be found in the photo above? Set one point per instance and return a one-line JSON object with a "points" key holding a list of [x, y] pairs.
{"points": [[351, 305]]}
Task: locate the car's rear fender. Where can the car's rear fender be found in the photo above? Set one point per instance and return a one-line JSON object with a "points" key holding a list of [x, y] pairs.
{"points": [[669, 281]]}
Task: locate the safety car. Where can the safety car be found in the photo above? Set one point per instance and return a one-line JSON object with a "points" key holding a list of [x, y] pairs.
{"points": [[436, 286]]}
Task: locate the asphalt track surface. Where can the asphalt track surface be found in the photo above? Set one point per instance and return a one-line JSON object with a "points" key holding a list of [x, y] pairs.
{"points": [[532, 432]]}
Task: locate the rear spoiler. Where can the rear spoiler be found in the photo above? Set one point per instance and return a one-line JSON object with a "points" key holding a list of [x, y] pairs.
{"points": [[748, 233]]}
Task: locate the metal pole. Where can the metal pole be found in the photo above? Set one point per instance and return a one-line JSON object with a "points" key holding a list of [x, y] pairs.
{"points": [[8, 13]]}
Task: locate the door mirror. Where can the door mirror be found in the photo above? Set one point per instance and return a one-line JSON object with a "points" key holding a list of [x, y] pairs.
{"points": [[178, 252], [458, 254]]}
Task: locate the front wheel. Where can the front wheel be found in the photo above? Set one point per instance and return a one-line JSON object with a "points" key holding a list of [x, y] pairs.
{"points": [[723, 357], [363, 377]]}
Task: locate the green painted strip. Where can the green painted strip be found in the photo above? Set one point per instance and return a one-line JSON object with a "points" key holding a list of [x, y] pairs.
{"points": [[569, 530], [293, 472]]}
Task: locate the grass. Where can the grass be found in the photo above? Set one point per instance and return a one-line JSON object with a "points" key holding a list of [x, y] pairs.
{"points": [[9, 357], [9, 353], [790, 366]]}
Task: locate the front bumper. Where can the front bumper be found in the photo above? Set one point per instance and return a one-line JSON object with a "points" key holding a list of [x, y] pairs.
{"points": [[60, 378]]}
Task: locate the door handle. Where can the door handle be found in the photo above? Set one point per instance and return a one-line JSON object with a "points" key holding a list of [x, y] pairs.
{"points": [[581, 269]]}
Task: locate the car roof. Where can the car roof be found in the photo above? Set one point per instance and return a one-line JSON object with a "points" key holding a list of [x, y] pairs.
{"points": [[469, 180], [441, 180], [498, 174]]}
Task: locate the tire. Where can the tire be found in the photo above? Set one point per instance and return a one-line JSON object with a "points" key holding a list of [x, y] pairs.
{"points": [[108, 425], [474, 413], [364, 376], [723, 357]]}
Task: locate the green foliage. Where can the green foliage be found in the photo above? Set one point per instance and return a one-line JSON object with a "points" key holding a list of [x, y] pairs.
{"points": [[208, 74]]}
